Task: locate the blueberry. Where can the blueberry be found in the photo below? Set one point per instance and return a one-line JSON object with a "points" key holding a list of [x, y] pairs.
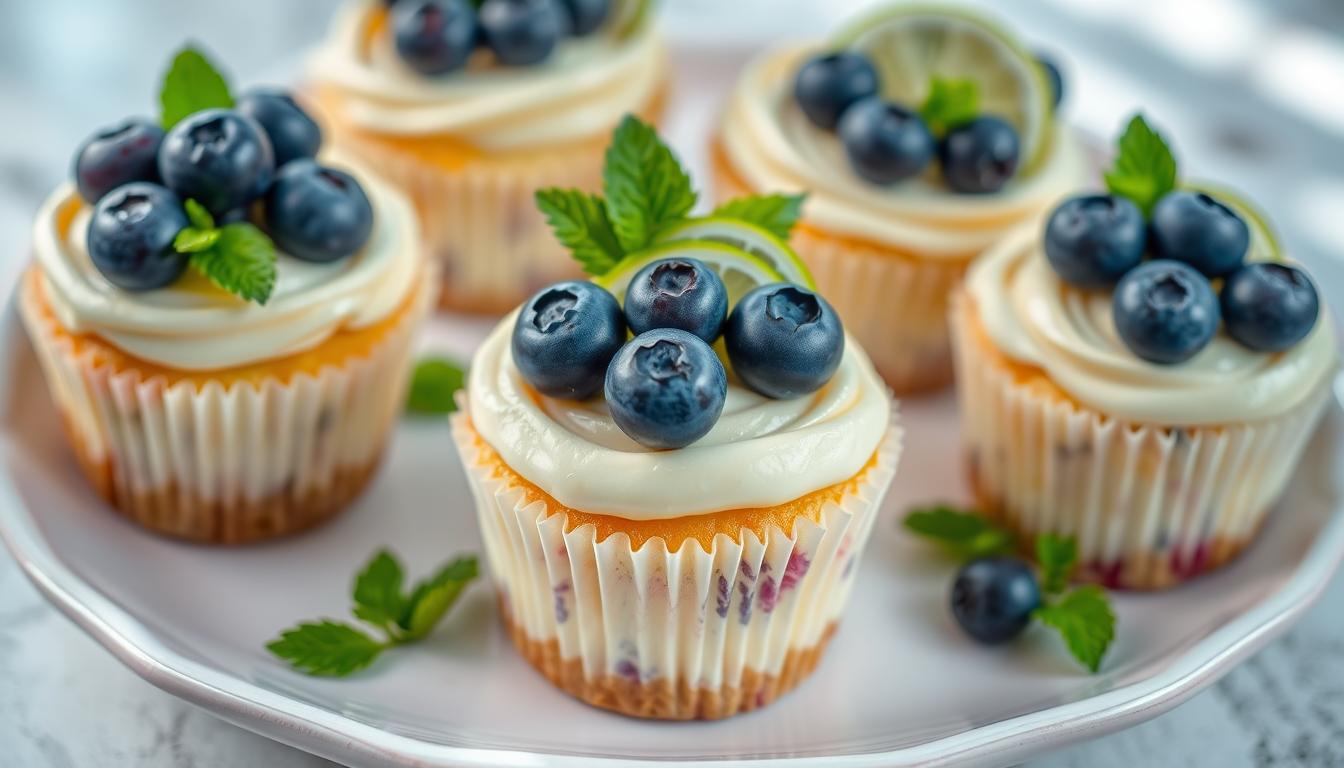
{"points": [[979, 156], [434, 37], [1165, 311], [316, 213], [586, 16], [1200, 231], [1093, 240], [784, 340], [565, 337], [885, 142], [292, 133], [125, 152], [993, 598], [522, 32], [1053, 77], [130, 238], [677, 293], [666, 388], [1268, 306], [217, 157], [829, 84]]}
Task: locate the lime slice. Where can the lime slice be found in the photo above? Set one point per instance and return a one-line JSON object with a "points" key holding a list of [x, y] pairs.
{"points": [[911, 44], [1263, 238], [740, 271], [756, 241]]}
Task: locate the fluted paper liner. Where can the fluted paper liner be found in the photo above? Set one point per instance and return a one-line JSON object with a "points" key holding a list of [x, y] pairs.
{"points": [[671, 634], [1150, 505]]}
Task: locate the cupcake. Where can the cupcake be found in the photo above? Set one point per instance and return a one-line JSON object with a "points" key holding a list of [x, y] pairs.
{"points": [[915, 165], [226, 340], [674, 531], [469, 107], [1141, 373]]}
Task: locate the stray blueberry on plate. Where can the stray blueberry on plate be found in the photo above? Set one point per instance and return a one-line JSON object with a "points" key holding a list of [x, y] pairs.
{"points": [[125, 152], [829, 84], [885, 142], [784, 340], [130, 237], [993, 598], [316, 213], [217, 157], [586, 16], [979, 156], [677, 293], [522, 32], [1165, 311], [1268, 306], [1197, 229], [666, 388], [434, 37], [292, 133], [564, 339], [1091, 241], [1053, 77]]}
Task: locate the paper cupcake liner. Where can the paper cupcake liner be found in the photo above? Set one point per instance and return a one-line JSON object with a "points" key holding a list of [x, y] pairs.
{"points": [[226, 464], [1150, 505], [684, 634]]}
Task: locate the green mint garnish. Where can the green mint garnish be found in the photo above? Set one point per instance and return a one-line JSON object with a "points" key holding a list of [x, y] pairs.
{"points": [[1057, 556], [1085, 620], [580, 223], [644, 183], [964, 532], [774, 213], [434, 384], [238, 257], [191, 85], [1145, 168], [336, 649], [950, 103]]}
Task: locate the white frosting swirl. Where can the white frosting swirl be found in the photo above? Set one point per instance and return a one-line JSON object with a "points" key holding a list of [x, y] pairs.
{"points": [[770, 144], [192, 325], [761, 452], [1033, 317], [580, 92]]}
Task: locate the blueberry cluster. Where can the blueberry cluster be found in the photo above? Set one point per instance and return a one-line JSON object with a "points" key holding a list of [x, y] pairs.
{"points": [[138, 177], [435, 37], [666, 387], [1166, 308]]}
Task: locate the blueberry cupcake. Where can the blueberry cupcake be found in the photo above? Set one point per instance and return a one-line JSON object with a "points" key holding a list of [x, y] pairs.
{"points": [[224, 321], [674, 530], [923, 135], [469, 107], [1141, 373]]}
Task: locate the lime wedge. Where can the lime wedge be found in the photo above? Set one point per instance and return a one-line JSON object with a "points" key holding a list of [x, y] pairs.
{"points": [[756, 241], [741, 272], [1263, 238]]}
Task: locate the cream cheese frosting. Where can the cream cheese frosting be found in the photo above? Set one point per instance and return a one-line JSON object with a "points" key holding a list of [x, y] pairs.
{"points": [[191, 325], [770, 143], [580, 92], [760, 453], [1033, 317]]}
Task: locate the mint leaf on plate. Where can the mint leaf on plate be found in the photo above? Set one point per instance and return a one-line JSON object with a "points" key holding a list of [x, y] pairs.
{"points": [[580, 223], [434, 386], [241, 260], [377, 592], [1144, 168], [963, 531], [1085, 620], [1057, 556], [949, 104], [191, 85], [433, 597], [326, 648], [644, 183], [774, 213]]}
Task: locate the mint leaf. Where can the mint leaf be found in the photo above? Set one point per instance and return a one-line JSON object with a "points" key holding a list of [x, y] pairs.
{"points": [[191, 85], [1057, 556], [241, 261], [326, 648], [1145, 168], [432, 598], [774, 213], [377, 593], [199, 217], [950, 103], [645, 185], [193, 240], [1085, 620], [580, 223], [964, 532], [434, 384]]}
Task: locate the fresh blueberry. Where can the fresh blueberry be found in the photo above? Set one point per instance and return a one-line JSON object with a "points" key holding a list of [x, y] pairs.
{"points": [[1093, 240], [1053, 76], [979, 156], [666, 388], [565, 337], [993, 598], [434, 37], [523, 32], [1268, 306], [217, 157], [885, 142], [829, 84], [1200, 231], [1165, 311], [586, 16], [292, 133], [316, 213], [784, 340], [130, 238], [677, 293], [123, 153]]}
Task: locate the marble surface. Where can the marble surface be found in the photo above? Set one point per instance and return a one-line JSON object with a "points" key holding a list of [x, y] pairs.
{"points": [[68, 65]]}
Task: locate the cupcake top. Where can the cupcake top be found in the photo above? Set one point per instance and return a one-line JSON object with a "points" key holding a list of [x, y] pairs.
{"points": [[1158, 303], [939, 154], [573, 82]]}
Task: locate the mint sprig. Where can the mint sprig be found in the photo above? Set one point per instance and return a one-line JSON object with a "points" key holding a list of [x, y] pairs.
{"points": [[950, 103], [238, 257], [1057, 556], [434, 386], [335, 649], [964, 533], [1085, 620], [580, 223], [774, 213], [1144, 169], [191, 84]]}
